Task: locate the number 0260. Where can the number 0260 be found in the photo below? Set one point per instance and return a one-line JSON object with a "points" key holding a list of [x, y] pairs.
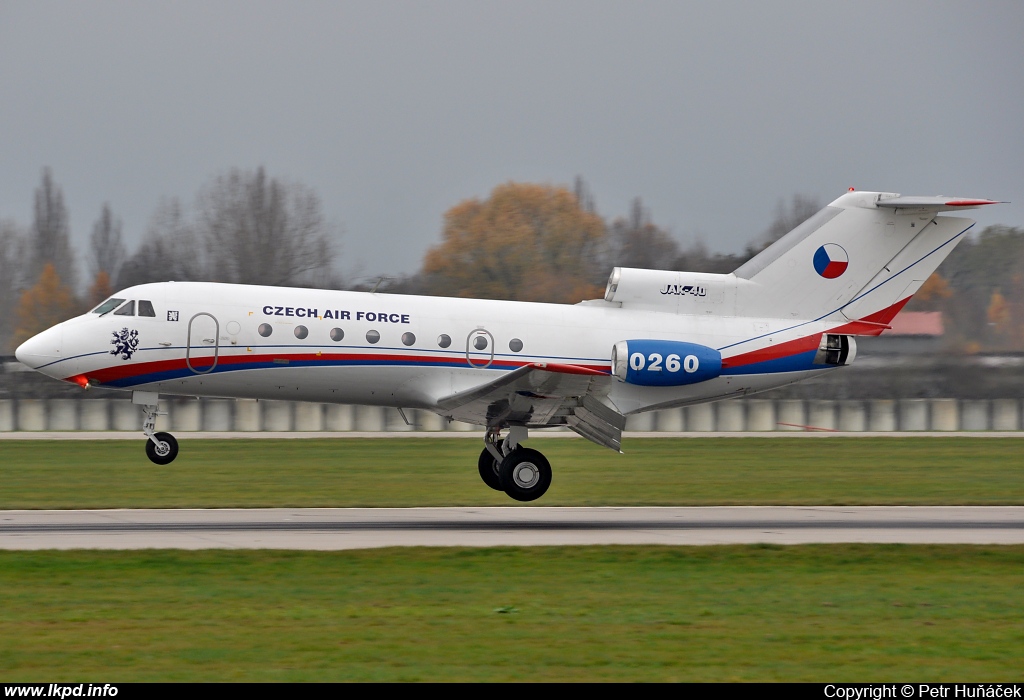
{"points": [[653, 362]]}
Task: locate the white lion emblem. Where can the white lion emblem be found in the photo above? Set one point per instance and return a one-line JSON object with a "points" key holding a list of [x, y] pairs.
{"points": [[125, 343]]}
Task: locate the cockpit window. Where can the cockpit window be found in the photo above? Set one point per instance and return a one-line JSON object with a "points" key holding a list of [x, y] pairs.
{"points": [[146, 308], [127, 310], [107, 306]]}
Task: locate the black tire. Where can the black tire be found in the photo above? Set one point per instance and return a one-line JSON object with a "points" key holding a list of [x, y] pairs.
{"points": [[488, 467], [155, 456], [525, 474]]}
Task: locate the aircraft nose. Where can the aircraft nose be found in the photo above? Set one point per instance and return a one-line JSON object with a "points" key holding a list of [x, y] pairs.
{"points": [[41, 349]]}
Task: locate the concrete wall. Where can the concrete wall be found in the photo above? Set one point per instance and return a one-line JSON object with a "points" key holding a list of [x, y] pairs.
{"points": [[700, 418], [914, 414], [945, 415], [792, 415], [63, 414], [8, 415], [641, 422], [882, 415], [94, 414], [853, 416], [222, 415], [974, 415], [761, 415], [248, 416], [821, 415], [277, 416], [309, 417], [1006, 414]]}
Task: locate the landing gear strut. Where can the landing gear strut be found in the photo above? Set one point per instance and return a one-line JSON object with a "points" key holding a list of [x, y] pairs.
{"points": [[161, 448], [504, 465]]}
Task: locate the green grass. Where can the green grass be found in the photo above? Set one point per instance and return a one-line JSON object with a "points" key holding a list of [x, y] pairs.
{"points": [[816, 612], [438, 472], [812, 613]]}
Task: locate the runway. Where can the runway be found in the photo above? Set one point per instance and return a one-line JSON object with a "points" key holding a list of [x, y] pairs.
{"points": [[361, 528], [813, 434]]}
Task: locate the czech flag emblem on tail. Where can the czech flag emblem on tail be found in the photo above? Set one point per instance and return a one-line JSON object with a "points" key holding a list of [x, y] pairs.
{"points": [[830, 261]]}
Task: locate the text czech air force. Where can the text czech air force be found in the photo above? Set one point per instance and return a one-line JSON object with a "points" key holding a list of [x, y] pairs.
{"points": [[338, 314]]}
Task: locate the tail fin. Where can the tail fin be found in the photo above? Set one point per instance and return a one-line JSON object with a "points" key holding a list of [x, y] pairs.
{"points": [[860, 258]]}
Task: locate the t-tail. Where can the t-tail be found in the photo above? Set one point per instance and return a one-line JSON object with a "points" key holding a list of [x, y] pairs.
{"points": [[858, 261]]}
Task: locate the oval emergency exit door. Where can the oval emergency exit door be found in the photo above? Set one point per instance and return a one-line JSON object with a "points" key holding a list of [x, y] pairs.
{"points": [[480, 348], [203, 345]]}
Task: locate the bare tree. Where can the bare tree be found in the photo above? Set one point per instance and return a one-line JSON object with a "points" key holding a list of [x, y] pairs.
{"points": [[259, 230], [107, 252], [247, 229], [169, 252], [12, 278], [49, 233], [787, 217], [583, 195], [636, 242]]}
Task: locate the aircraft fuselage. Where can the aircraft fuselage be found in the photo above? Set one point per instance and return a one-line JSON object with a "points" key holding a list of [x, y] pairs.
{"points": [[392, 350]]}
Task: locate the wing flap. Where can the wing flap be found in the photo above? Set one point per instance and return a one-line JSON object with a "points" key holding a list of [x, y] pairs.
{"points": [[542, 395], [598, 423]]}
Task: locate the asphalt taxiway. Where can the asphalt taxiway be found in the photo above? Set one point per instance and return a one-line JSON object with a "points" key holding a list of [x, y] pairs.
{"points": [[360, 528]]}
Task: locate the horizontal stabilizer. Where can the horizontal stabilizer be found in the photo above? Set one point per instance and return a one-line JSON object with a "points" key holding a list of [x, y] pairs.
{"points": [[933, 203]]}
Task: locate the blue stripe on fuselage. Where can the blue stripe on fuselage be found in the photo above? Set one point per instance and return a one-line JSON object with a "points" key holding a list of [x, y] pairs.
{"points": [[800, 362], [184, 372]]}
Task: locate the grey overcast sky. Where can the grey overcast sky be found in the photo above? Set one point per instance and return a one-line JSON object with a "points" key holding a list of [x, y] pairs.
{"points": [[395, 111]]}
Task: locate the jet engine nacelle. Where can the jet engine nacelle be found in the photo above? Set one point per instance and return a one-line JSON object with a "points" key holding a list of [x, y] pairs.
{"points": [[664, 362]]}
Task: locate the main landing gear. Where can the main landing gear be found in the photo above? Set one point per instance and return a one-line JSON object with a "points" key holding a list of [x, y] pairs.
{"points": [[504, 465], [161, 448]]}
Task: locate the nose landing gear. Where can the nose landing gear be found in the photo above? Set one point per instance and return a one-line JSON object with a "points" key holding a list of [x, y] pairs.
{"points": [[504, 465], [161, 448]]}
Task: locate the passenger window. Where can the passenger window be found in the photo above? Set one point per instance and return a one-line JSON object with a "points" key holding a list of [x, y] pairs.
{"points": [[146, 308], [515, 345], [127, 310], [107, 306], [444, 340]]}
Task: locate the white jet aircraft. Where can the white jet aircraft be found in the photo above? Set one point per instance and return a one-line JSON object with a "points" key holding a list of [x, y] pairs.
{"points": [[658, 339]]}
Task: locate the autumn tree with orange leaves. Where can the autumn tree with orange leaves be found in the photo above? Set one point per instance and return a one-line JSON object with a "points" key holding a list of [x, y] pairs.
{"points": [[45, 304], [526, 242]]}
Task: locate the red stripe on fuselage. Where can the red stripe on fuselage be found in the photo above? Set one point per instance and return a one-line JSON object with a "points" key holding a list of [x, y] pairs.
{"points": [[773, 352], [128, 371], [872, 324]]}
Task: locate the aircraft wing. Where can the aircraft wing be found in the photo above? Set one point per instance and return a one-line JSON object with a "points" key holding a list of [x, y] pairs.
{"points": [[543, 394]]}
